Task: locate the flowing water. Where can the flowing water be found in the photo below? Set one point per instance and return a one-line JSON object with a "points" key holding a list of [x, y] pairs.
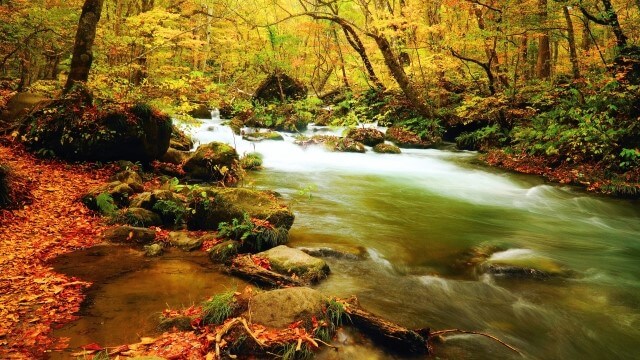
{"points": [[416, 216], [417, 213]]}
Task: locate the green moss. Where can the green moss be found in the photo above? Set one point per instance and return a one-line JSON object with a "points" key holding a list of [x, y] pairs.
{"points": [[251, 161]]}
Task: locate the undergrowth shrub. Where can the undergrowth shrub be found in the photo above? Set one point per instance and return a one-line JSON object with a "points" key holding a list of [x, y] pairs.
{"points": [[254, 234], [218, 308]]}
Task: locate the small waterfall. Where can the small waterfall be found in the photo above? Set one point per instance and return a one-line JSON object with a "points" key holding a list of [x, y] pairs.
{"points": [[215, 114]]}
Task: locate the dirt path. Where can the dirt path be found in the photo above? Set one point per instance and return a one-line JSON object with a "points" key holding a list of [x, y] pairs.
{"points": [[34, 299]]}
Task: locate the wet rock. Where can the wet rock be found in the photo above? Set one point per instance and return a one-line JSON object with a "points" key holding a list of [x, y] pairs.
{"points": [[386, 149], [407, 139], [510, 271], [226, 204], [514, 263], [266, 135], [279, 308], [358, 253], [288, 261], [224, 251], [153, 250], [180, 140], [333, 143], [129, 234], [209, 160], [184, 241], [131, 178], [173, 156], [367, 136], [139, 217], [251, 161]]}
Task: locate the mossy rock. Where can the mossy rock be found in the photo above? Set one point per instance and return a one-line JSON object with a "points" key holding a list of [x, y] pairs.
{"points": [[147, 200], [139, 217], [226, 204], [76, 129], [405, 138], [251, 161], [131, 178], [290, 261], [333, 143], [201, 111], [280, 308], [118, 191], [209, 160], [264, 135], [386, 149], [184, 241], [367, 136], [153, 250], [176, 157], [129, 234]]}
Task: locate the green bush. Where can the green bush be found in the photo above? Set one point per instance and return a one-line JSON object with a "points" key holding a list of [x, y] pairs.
{"points": [[170, 211], [254, 234], [218, 308]]}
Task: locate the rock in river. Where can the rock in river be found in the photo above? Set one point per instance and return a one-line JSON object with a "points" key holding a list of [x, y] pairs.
{"points": [[288, 261]]}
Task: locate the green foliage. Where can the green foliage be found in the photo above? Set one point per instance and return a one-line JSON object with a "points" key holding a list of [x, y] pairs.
{"points": [[426, 129], [105, 204], [216, 310], [630, 158], [255, 234], [251, 161], [336, 314], [288, 352], [482, 139], [171, 211]]}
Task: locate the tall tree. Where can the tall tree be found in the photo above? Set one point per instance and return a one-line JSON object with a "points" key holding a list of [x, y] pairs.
{"points": [[573, 54], [82, 57], [543, 65]]}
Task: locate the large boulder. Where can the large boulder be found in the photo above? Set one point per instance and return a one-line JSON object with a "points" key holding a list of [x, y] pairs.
{"points": [[118, 191], [280, 308], [333, 143], [184, 241], [131, 178], [290, 261], [147, 200], [180, 140], [139, 217], [176, 157], [367, 136], [74, 128], [216, 205], [17, 107], [408, 139], [384, 148], [280, 87], [210, 161]]}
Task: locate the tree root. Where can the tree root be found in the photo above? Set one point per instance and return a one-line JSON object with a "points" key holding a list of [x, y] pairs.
{"points": [[458, 331]]}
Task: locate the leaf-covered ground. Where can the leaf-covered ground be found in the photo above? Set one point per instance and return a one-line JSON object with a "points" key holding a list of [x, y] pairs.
{"points": [[34, 299]]}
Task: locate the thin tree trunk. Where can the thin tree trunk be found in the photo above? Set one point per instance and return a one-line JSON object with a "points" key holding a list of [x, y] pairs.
{"points": [[82, 49], [524, 56], [586, 35], [397, 71], [573, 55]]}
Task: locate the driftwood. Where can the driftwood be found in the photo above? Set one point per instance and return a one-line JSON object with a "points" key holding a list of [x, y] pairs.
{"points": [[386, 333], [243, 266]]}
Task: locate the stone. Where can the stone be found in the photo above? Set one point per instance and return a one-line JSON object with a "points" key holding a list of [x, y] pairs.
{"points": [[386, 149], [180, 323], [209, 159], [147, 200], [344, 252], [117, 132], [279, 87], [174, 156], [179, 140], [280, 308], [129, 234], [153, 250], [140, 217], [201, 111], [288, 261], [131, 178], [367, 136], [333, 143], [184, 241], [263, 135], [226, 204], [118, 191]]}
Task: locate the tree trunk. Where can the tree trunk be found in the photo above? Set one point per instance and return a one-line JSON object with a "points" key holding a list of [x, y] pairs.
{"points": [[573, 55], [524, 57], [354, 40], [587, 41], [543, 64], [397, 71], [82, 49]]}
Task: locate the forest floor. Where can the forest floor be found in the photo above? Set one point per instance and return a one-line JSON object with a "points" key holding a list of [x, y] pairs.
{"points": [[34, 299]]}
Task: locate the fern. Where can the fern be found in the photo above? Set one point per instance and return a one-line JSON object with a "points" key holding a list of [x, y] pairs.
{"points": [[105, 204]]}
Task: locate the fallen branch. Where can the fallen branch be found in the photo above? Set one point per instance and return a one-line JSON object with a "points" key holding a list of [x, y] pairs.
{"points": [[244, 266], [458, 331], [385, 332]]}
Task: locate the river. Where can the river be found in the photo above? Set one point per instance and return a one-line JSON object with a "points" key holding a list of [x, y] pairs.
{"points": [[416, 215]]}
